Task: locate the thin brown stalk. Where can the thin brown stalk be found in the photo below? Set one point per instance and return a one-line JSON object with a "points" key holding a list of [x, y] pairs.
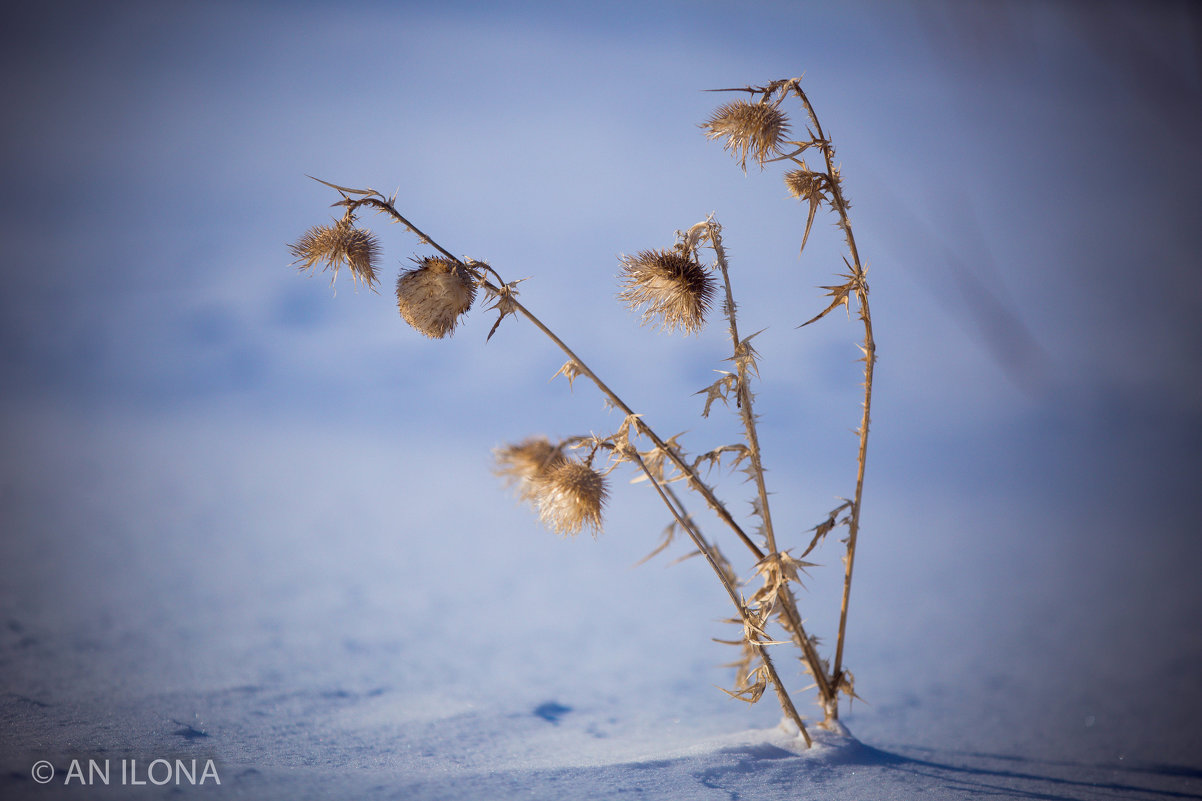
{"points": [[743, 390], [745, 405], [869, 348]]}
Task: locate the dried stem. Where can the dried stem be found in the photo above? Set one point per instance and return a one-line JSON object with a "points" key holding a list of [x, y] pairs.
{"points": [[745, 398], [744, 395], [860, 284]]}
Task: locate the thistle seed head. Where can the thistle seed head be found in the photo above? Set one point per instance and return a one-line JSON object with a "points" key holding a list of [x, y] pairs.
{"points": [[526, 464], [570, 496], [750, 129], [336, 245], [668, 285], [432, 296], [803, 184]]}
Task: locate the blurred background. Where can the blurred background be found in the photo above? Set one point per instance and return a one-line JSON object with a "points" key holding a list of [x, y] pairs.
{"points": [[218, 473]]}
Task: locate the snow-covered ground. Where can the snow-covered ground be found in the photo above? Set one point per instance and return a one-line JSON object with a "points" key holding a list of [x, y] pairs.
{"points": [[276, 602]]}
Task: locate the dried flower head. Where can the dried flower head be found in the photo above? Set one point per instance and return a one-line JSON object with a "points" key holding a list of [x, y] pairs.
{"points": [[336, 245], [432, 296], [526, 464], [569, 497], [804, 185], [670, 285], [750, 129]]}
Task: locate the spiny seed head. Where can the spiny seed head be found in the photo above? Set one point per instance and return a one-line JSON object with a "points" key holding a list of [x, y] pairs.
{"points": [[432, 296], [670, 286], [526, 464], [336, 245], [570, 496], [750, 129], [803, 184]]}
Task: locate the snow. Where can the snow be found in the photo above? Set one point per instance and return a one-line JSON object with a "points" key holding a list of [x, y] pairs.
{"points": [[348, 650]]}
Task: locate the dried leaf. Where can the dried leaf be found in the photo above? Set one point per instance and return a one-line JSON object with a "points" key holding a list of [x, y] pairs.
{"points": [[623, 449], [657, 458], [345, 189], [669, 533], [751, 693], [719, 390], [842, 297], [825, 527], [814, 203], [746, 355], [713, 458], [685, 558], [506, 303], [571, 369], [847, 686]]}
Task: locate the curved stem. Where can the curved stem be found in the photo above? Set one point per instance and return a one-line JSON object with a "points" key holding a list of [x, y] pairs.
{"points": [[743, 392], [869, 349]]}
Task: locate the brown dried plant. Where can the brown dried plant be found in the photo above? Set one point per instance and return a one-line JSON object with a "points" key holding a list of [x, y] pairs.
{"points": [[675, 289]]}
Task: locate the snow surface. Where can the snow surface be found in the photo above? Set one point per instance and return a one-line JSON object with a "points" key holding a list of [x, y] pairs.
{"points": [[347, 649]]}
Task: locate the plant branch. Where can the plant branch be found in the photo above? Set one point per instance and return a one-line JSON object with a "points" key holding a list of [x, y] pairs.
{"points": [[869, 349], [743, 391], [788, 602]]}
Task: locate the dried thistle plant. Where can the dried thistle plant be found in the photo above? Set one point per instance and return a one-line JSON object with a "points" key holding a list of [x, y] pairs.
{"points": [[673, 289]]}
